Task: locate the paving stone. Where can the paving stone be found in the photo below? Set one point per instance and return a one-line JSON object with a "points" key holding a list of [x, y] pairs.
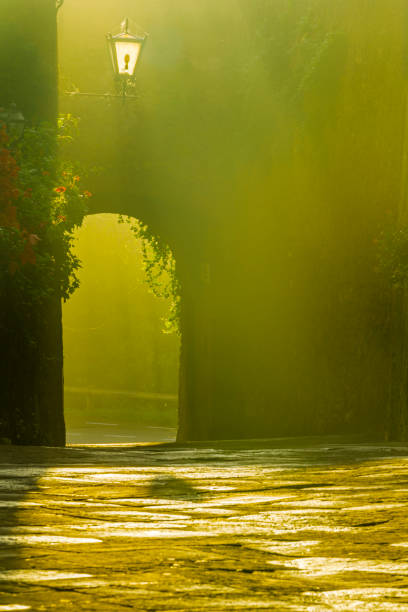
{"points": [[225, 527]]}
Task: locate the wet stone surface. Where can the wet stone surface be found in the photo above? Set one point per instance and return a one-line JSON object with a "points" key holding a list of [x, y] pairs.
{"points": [[163, 528]]}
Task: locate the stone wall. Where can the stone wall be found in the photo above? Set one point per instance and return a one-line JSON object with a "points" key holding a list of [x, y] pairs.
{"points": [[31, 376]]}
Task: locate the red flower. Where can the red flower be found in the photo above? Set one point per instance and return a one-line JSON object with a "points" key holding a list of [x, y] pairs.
{"points": [[62, 217], [60, 189], [87, 194], [76, 178]]}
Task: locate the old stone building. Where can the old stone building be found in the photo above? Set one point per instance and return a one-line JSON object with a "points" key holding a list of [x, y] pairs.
{"points": [[267, 147]]}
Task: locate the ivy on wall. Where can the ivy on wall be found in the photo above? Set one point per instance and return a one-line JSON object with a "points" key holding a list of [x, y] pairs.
{"points": [[160, 269], [392, 255]]}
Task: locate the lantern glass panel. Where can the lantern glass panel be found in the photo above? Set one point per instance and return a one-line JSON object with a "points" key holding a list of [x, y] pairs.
{"points": [[127, 54]]}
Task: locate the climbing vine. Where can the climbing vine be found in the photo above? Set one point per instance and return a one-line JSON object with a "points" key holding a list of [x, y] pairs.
{"points": [[392, 255], [160, 270], [41, 204]]}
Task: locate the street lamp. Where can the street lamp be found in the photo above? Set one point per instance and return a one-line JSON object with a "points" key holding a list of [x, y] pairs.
{"points": [[125, 49], [14, 121]]}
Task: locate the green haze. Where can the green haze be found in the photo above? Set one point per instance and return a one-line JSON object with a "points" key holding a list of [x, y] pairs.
{"points": [[113, 339]]}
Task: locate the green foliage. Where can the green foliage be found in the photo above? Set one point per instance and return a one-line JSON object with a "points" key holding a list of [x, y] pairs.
{"points": [[41, 204], [301, 54], [160, 269], [393, 255]]}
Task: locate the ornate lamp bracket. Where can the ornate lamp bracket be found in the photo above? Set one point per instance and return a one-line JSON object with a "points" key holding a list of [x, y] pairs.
{"points": [[59, 3]]}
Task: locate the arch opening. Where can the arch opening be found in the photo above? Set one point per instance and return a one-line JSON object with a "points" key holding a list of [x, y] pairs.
{"points": [[120, 365]]}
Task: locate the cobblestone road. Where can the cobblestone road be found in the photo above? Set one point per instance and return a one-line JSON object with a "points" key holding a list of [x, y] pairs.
{"points": [[227, 528]]}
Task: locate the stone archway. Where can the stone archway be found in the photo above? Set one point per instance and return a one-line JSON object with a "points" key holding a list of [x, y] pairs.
{"points": [[229, 155]]}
